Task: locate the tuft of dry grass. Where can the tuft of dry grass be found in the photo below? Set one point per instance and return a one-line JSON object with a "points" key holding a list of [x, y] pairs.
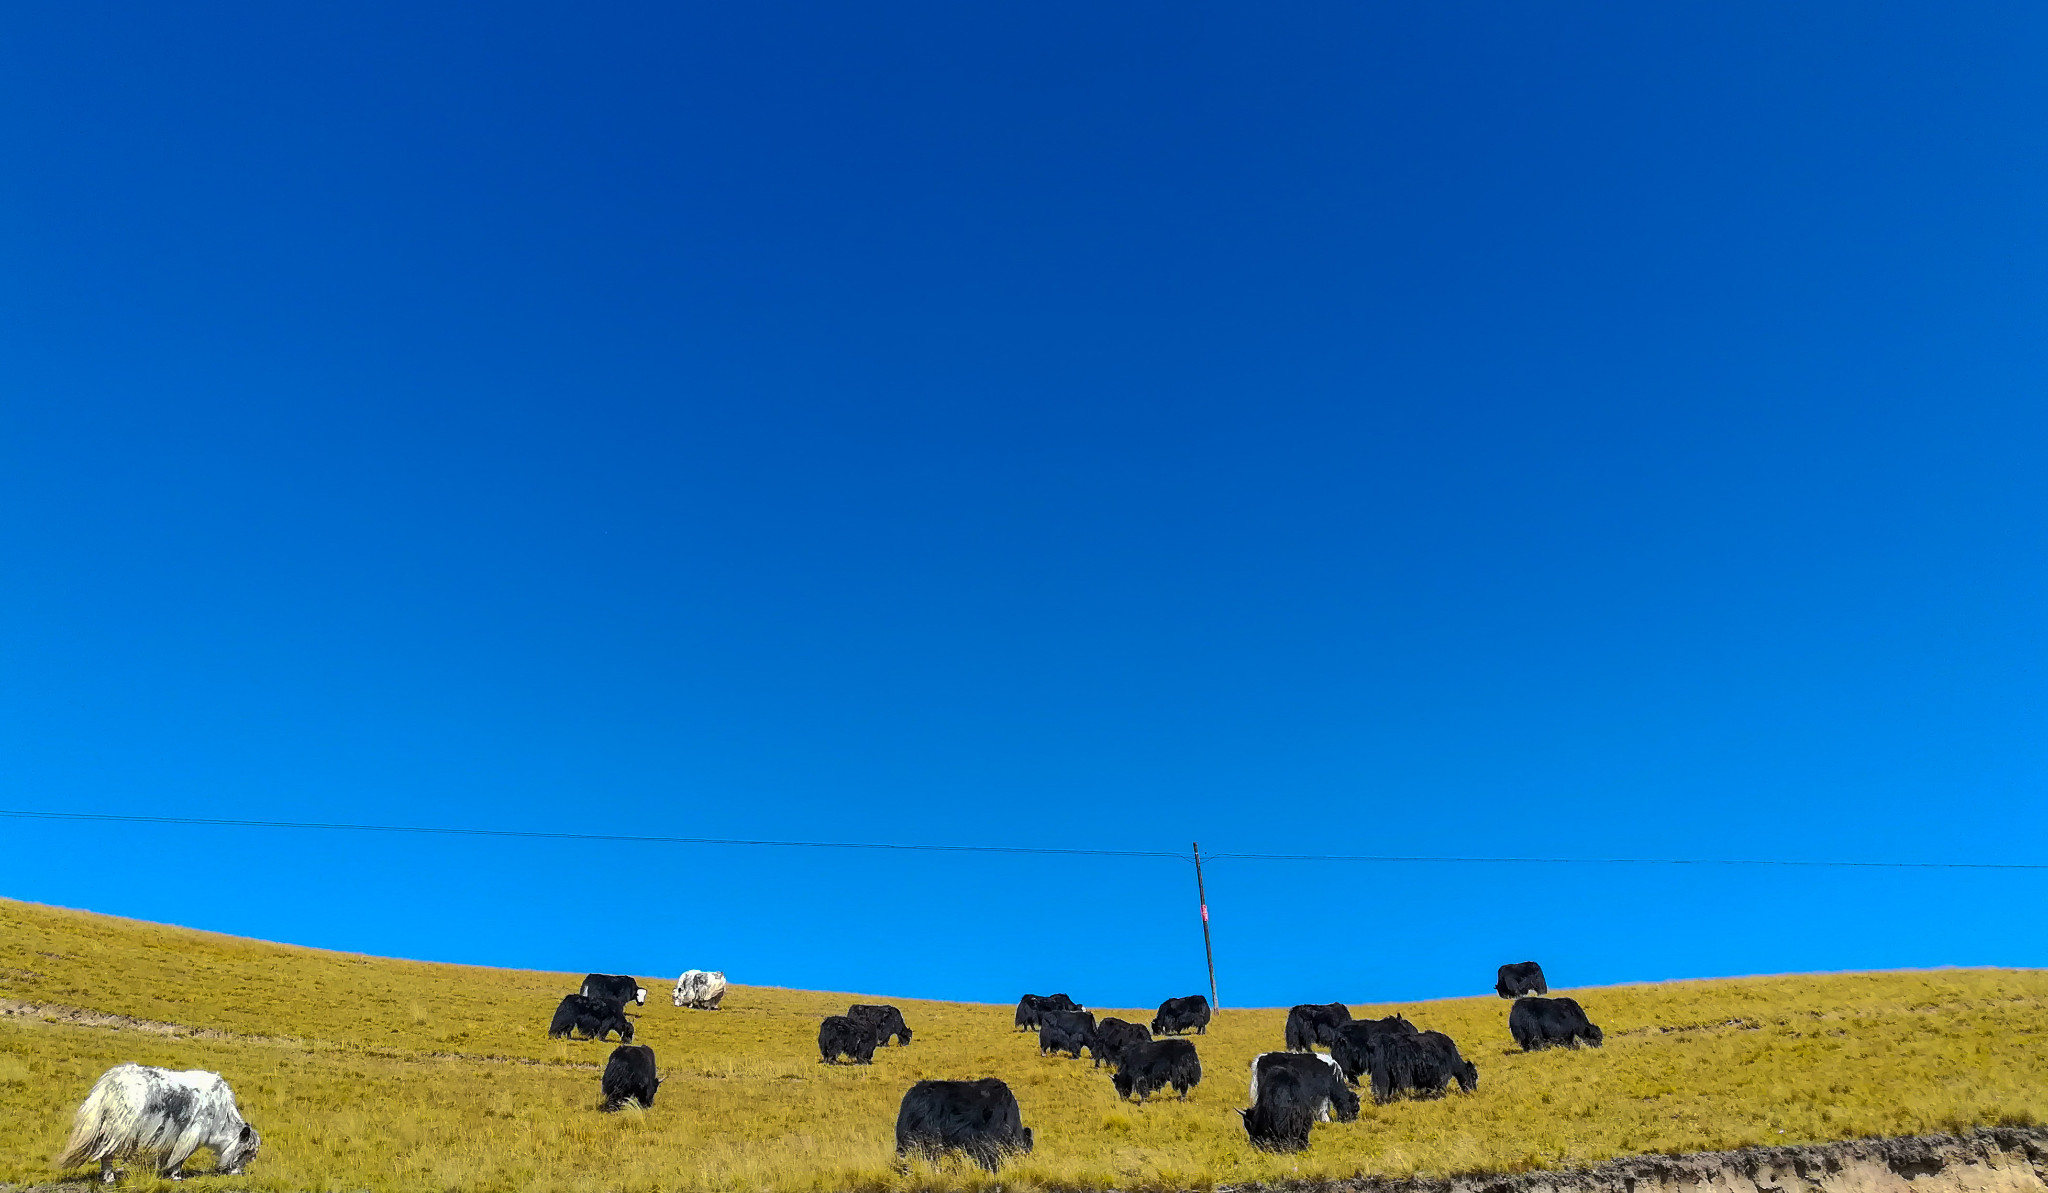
{"points": [[367, 1073]]}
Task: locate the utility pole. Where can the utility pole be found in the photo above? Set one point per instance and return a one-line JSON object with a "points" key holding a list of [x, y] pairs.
{"points": [[1207, 950]]}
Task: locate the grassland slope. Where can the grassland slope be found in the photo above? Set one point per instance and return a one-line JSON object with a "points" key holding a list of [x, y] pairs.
{"points": [[364, 1072]]}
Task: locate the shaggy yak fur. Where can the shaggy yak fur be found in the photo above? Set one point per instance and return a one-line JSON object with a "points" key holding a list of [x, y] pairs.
{"points": [[1031, 1006], [1542, 1022], [700, 989], [1352, 1049], [1112, 1036], [1313, 1024], [886, 1021], [630, 1076], [979, 1118], [1177, 1015], [138, 1111], [594, 1017], [1152, 1066], [839, 1036], [1522, 977], [1278, 1120], [1317, 1075], [616, 987], [1417, 1064], [1065, 1031]]}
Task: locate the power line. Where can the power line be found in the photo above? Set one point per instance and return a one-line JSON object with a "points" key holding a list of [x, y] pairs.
{"points": [[1622, 861], [199, 822], [429, 830]]}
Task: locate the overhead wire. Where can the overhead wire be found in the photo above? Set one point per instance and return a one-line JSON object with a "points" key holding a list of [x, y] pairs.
{"points": [[546, 835], [1027, 850]]}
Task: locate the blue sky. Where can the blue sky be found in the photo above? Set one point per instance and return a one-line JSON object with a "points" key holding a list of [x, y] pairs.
{"points": [[1595, 431]]}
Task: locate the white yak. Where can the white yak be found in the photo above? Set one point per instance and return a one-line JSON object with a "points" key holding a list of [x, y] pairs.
{"points": [[134, 1110]]}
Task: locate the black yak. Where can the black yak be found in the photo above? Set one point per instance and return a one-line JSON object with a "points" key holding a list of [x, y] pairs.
{"points": [[1522, 977], [1156, 1064], [594, 1017], [630, 1076], [1178, 1015], [979, 1118], [1065, 1031], [1280, 1116], [615, 987], [886, 1021], [1419, 1064], [1542, 1022], [1031, 1006], [1352, 1047], [1112, 1036], [1314, 1073], [839, 1036], [1312, 1024]]}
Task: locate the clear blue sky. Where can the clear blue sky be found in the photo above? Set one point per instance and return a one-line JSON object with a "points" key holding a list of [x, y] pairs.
{"points": [[1579, 430]]}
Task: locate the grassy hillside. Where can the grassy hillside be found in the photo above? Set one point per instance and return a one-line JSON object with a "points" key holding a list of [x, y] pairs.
{"points": [[363, 1072]]}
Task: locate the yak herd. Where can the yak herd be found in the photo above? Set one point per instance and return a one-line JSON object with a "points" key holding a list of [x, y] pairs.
{"points": [[131, 1110]]}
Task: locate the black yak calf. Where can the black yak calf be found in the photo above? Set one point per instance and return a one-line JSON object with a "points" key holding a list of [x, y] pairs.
{"points": [[1420, 1064], [1280, 1116], [1523, 977], [630, 1076], [1313, 1024], [1352, 1048], [1318, 1075], [1032, 1006], [1178, 1015], [1065, 1031], [839, 1036], [594, 1017], [979, 1118], [885, 1020], [1112, 1036], [1152, 1066], [1544, 1022]]}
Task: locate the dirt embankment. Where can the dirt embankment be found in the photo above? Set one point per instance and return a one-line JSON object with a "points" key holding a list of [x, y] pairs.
{"points": [[1990, 1160]]}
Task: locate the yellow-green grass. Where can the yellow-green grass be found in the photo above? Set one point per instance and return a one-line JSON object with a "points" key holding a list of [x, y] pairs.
{"points": [[368, 1073]]}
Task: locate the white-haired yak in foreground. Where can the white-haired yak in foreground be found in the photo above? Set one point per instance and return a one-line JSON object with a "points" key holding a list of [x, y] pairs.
{"points": [[700, 989], [138, 1111]]}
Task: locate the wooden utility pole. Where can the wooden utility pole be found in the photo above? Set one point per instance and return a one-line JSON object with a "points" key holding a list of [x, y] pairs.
{"points": [[1207, 950]]}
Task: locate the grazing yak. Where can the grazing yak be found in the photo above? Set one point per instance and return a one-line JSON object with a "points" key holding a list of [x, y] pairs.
{"points": [[1524, 977], [1178, 1015], [1156, 1064], [1281, 1112], [1419, 1064], [1543, 1022], [630, 1076], [594, 1017], [700, 989], [1031, 1006], [839, 1036], [1311, 1024], [885, 1021], [137, 1111], [1065, 1031], [1315, 1074], [979, 1118], [1352, 1048], [615, 986], [1112, 1036]]}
